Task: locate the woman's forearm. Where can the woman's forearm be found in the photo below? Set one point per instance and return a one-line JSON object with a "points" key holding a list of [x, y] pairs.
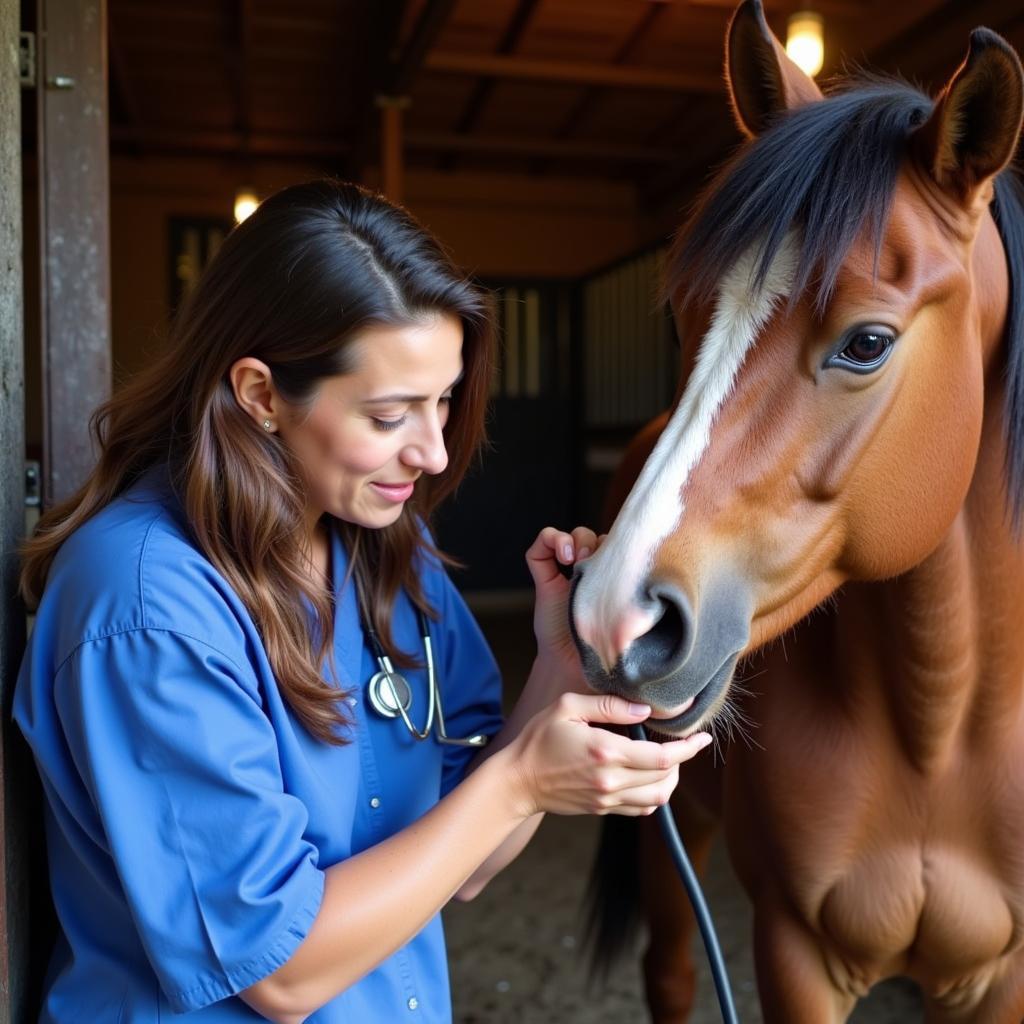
{"points": [[541, 688], [500, 859], [377, 901]]}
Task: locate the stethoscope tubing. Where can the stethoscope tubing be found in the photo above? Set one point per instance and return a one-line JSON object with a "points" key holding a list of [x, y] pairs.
{"points": [[387, 676]]}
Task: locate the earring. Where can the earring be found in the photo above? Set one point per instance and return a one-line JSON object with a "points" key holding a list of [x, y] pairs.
{"points": [[266, 424]]}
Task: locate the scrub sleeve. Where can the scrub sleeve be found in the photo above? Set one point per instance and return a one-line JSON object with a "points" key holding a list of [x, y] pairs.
{"points": [[181, 761]]}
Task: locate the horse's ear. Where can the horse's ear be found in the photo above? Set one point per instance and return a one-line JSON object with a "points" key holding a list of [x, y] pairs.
{"points": [[763, 81], [972, 132]]}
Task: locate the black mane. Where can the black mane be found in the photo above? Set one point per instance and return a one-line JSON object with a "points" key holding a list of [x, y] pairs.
{"points": [[1008, 210], [829, 170]]}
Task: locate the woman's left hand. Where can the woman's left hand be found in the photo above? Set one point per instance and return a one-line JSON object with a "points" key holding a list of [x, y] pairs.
{"points": [[555, 645]]}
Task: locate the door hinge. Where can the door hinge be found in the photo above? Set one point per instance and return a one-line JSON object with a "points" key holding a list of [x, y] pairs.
{"points": [[27, 59], [33, 483]]}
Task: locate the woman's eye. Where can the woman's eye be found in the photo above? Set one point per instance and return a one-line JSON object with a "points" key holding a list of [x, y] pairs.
{"points": [[865, 350], [388, 424]]}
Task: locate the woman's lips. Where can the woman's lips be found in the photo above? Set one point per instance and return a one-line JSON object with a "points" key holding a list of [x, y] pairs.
{"points": [[672, 712], [393, 492]]}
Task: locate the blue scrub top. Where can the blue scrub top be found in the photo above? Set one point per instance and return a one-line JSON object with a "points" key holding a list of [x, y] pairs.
{"points": [[189, 814]]}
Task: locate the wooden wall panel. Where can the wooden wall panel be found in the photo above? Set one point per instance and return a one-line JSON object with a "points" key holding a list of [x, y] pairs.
{"points": [[75, 224], [15, 975]]}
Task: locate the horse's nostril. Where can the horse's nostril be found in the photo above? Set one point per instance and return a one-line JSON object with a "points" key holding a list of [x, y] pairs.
{"points": [[667, 643], [663, 639]]}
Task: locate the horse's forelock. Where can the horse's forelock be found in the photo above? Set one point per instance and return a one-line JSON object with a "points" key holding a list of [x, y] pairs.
{"points": [[827, 170]]}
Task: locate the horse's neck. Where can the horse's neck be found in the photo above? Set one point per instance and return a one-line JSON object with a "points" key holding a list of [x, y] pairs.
{"points": [[949, 651]]}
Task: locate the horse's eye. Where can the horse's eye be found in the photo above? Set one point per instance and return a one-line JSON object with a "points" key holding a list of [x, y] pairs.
{"points": [[865, 350], [868, 347]]}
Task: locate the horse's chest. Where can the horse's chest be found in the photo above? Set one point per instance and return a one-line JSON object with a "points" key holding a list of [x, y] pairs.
{"points": [[895, 874], [933, 907]]}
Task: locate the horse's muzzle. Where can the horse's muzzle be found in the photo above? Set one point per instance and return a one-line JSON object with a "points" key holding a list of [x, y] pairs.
{"points": [[687, 653]]}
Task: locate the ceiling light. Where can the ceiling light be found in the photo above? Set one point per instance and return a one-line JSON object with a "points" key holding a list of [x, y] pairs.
{"points": [[805, 41], [246, 202]]}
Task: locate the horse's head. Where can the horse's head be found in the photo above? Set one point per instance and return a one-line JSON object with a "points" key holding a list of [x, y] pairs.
{"points": [[840, 295]]}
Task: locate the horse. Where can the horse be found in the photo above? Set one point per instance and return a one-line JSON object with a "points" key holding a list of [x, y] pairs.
{"points": [[823, 536]]}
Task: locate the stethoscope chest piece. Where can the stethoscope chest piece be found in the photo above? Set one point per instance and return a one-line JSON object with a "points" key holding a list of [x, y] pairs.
{"points": [[387, 691], [390, 695]]}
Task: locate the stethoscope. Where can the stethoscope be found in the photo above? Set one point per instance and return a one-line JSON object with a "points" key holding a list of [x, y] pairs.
{"points": [[390, 694]]}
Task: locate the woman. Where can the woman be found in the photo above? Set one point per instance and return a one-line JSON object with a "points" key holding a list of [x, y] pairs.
{"points": [[233, 830]]}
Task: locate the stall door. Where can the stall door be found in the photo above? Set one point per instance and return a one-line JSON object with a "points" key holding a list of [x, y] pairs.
{"points": [[528, 475]]}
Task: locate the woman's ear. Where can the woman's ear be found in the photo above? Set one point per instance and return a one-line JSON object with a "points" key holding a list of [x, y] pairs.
{"points": [[253, 385], [973, 130], [763, 81]]}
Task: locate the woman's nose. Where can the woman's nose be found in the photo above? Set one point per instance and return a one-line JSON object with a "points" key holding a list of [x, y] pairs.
{"points": [[427, 452]]}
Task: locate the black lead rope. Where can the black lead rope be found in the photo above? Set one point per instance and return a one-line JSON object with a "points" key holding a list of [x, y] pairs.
{"points": [[700, 908]]}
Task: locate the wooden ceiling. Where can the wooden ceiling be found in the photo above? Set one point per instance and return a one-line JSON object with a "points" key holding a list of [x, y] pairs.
{"points": [[616, 89]]}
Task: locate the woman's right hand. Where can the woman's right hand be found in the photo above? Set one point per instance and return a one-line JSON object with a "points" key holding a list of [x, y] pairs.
{"points": [[562, 764]]}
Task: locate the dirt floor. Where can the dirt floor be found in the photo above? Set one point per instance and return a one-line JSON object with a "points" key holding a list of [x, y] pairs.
{"points": [[516, 953]]}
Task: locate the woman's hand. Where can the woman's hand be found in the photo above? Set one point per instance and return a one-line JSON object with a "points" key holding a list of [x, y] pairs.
{"points": [[561, 764], [555, 646]]}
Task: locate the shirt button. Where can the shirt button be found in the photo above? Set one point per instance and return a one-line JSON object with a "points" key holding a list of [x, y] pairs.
{"points": [[413, 1003], [375, 803]]}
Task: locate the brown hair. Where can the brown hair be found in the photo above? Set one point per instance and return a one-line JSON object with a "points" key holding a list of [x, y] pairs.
{"points": [[314, 265]]}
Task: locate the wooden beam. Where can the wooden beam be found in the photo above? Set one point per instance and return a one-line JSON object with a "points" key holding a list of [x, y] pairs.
{"points": [[383, 19], [195, 143], [586, 102], [394, 97], [17, 1001], [590, 97], [574, 72], [74, 194], [507, 45], [432, 19], [505, 146], [231, 143]]}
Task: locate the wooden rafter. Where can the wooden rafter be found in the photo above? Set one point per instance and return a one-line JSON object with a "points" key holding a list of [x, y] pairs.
{"points": [[643, 28], [483, 89], [524, 147], [382, 24], [233, 143], [419, 44], [576, 72], [589, 98], [220, 143], [388, 76]]}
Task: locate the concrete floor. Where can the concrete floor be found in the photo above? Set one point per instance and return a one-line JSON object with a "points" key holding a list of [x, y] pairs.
{"points": [[516, 953]]}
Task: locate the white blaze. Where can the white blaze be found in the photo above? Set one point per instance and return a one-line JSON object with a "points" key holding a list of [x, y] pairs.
{"points": [[605, 602]]}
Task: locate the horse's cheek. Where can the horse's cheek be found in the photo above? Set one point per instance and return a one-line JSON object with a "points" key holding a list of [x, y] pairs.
{"points": [[912, 481]]}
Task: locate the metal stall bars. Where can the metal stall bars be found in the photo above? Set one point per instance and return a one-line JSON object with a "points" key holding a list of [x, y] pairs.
{"points": [[630, 361]]}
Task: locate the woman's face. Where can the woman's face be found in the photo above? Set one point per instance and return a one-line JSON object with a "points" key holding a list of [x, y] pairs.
{"points": [[370, 434]]}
